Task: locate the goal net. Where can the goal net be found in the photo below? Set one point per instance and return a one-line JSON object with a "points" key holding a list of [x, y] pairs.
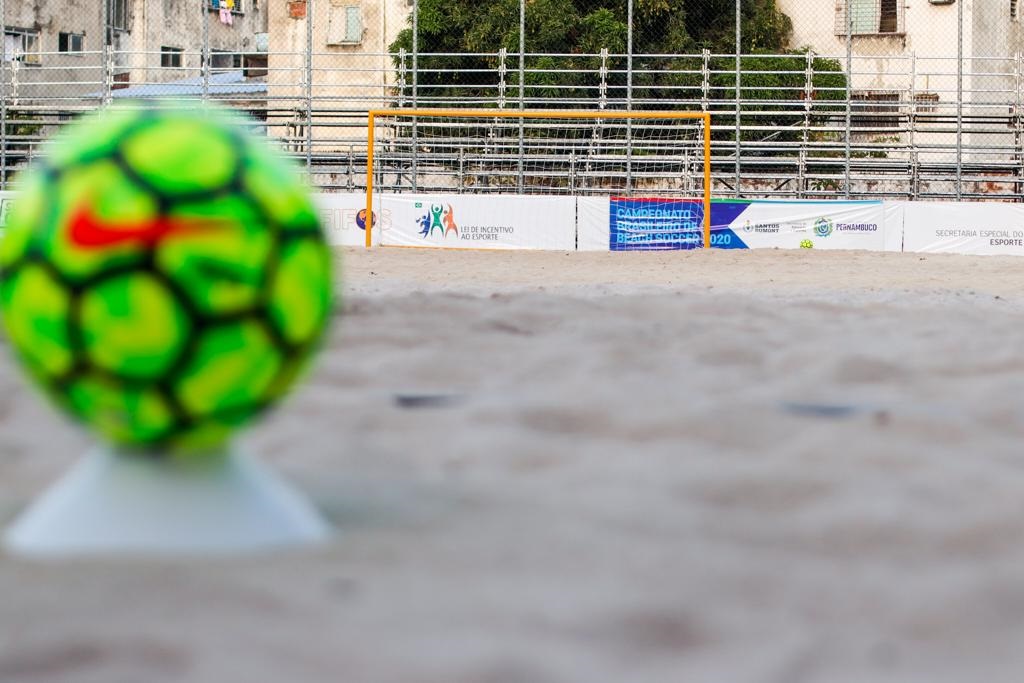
{"points": [[655, 155]]}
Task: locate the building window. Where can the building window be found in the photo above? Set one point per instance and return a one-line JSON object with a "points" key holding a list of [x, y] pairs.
{"points": [[170, 56], [254, 66], [344, 25], [926, 102], [70, 42], [117, 14], [875, 109], [869, 17], [121, 81], [1013, 10], [21, 45], [236, 6], [222, 60]]}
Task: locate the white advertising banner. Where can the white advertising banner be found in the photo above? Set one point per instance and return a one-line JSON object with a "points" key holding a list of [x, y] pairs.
{"points": [[593, 223], [895, 211], [343, 217], [982, 228], [765, 223], [460, 221], [6, 199]]}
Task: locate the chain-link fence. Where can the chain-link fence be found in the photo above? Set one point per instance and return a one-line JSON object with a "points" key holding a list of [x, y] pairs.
{"points": [[851, 98]]}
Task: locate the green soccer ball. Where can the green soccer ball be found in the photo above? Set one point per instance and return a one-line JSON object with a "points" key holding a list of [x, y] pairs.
{"points": [[164, 276], [806, 244]]}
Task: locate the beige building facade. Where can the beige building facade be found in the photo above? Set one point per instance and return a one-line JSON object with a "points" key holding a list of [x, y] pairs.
{"points": [[165, 38], [911, 45], [906, 82], [346, 51]]}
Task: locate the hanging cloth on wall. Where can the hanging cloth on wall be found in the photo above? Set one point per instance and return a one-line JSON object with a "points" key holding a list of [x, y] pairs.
{"points": [[225, 12]]}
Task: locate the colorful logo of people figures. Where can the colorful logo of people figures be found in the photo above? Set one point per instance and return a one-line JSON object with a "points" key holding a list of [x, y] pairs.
{"points": [[439, 217]]}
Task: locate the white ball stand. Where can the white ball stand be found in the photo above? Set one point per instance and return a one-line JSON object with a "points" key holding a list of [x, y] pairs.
{"points": [[141, 505]]}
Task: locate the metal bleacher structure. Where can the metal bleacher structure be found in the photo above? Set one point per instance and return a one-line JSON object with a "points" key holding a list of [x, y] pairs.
{"points": [[841, 121]]}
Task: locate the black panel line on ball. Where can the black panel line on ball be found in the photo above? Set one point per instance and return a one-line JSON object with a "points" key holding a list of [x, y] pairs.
{"points": [[182, 420], [176, 370], [10, 270], [144, 119], [273, 258], [76, 342], [239, 413], [261, 211], [277, 337], [249, 313], [131, 382], [182, 297], [294, 234], [51, 176], [163, 202], [165, 199], [138, 267]]}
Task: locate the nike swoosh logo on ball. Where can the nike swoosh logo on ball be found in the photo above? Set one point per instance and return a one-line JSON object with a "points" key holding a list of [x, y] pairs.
{"points": [[86, 230]]}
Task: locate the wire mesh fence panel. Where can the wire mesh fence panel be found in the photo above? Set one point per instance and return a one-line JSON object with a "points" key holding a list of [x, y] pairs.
{"points": [[852, 98], [933, 93], [351, 72], [287, 76]]}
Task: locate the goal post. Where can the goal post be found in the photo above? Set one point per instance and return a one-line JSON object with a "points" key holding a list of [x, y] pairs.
{"points": [[623, 154]]}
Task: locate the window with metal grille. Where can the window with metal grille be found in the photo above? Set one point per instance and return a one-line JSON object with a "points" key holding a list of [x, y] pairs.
{"points": [[70, 42], [117, 14], [926, 102], [1013, 10], [170, 56], [869, 17], [223, 60], [875, 109], [21, 45]]}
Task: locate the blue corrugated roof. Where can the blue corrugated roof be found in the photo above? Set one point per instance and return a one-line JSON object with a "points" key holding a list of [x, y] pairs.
{"points": [[222, 83]]}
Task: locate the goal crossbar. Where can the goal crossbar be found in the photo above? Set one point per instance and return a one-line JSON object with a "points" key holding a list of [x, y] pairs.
{"points": [[374, 114]]}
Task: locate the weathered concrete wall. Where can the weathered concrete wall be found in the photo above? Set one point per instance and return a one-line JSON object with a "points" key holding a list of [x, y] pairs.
{"points": [[921, 61], [929, 30], [885, 62], [347, 79], [76, 73], [993, 83], [179, 24], [135, 51]]}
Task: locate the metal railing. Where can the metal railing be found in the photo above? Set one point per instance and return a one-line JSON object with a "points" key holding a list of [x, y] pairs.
{"points": [[942, 125]]}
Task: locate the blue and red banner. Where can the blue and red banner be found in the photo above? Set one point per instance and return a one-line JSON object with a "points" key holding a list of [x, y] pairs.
{"points": [[649, 224]]}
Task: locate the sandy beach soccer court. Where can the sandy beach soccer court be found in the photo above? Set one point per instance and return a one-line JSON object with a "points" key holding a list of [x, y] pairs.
{"points": [[721, 467]]}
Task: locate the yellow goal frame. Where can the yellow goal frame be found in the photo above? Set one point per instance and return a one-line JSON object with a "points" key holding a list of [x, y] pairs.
{"points": [[536, 114]]}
